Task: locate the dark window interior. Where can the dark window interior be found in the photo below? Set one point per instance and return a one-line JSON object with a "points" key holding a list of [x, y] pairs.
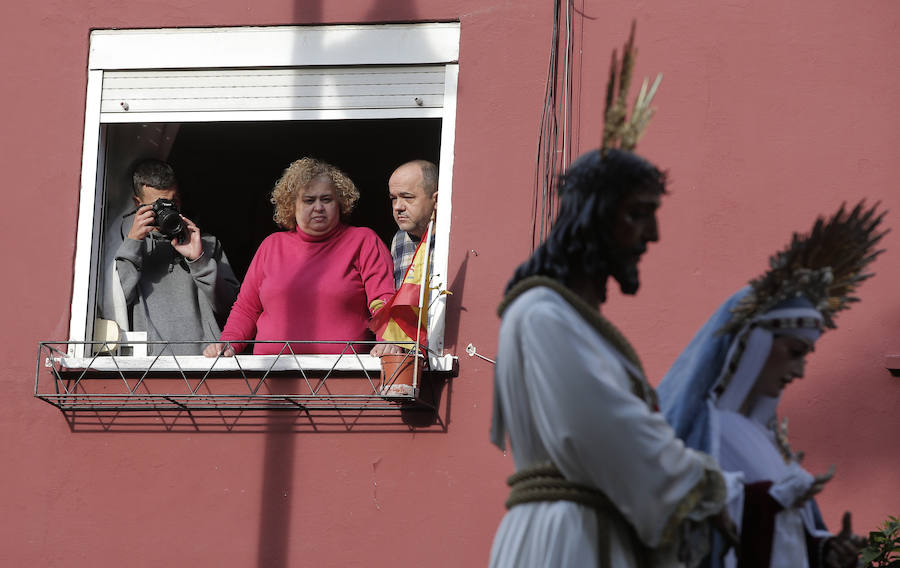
{"points": [[226, 170]]}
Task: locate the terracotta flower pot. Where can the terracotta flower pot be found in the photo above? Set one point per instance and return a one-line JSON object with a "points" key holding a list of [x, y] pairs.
{"points": [[398, 375]]}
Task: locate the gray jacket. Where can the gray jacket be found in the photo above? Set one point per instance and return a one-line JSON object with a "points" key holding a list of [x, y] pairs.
{"points": [[173, 299]]}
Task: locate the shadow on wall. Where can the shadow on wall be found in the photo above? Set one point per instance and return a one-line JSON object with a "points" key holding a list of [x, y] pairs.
{"points": [[455, 307], [392, 11], [401, 420], [277, 492]]}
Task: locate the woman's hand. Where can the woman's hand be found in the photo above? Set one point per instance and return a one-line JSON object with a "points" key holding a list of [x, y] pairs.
{"points": [[842, 550], [817, 486], [722, 522], [380, 349], [217, 349]]}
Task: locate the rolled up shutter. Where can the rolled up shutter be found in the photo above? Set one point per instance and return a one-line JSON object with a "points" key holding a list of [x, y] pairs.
{"points": [[205, 93]]}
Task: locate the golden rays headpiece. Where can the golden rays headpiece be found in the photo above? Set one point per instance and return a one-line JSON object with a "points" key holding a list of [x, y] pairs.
{"points": [[620, 131], [825, 266]]}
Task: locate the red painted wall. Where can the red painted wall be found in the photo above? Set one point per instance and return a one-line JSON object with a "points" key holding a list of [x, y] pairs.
{"points": [[770, 114]]}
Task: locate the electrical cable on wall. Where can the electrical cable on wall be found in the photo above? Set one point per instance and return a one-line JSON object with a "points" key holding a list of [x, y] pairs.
{"points": [[554, 148]]}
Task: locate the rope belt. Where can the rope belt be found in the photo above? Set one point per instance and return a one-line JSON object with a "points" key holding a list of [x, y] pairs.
{"points": [[544, 482]]}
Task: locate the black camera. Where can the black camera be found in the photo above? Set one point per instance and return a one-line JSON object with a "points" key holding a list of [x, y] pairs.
{"points": [[168, 220]]}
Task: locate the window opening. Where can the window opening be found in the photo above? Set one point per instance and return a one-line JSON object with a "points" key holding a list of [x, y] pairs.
{"points": [[234, 110]]}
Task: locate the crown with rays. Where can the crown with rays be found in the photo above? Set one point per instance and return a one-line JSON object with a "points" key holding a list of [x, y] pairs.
{"points": [[825, 266]]}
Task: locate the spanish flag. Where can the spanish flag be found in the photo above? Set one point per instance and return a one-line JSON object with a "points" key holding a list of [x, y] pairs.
{"points": [[403, 318]]}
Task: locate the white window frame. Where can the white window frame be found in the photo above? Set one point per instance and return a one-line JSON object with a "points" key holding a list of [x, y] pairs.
{"points": [[260, 47]]}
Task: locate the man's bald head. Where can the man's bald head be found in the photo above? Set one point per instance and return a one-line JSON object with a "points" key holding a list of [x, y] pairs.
{"points": [[413, 190]]}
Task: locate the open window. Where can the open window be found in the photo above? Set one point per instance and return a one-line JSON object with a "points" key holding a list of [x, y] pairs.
{"points": [[230, 108]]}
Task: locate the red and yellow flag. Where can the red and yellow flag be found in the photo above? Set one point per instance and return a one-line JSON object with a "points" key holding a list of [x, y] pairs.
{"points": [[402, 319]]}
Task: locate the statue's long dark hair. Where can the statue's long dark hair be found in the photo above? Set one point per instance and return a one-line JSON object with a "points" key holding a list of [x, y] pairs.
{"points": [[590, 191]]}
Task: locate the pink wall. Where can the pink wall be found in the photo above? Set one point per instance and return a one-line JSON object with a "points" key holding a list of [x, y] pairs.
{"points": [[770, 114]]}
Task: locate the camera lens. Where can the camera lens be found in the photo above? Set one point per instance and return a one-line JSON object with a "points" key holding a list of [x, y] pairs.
{"points": [[169, 222]]}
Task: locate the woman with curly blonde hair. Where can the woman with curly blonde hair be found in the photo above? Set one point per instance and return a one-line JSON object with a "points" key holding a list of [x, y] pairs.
{"points": [[297, 177], [319, 279]]}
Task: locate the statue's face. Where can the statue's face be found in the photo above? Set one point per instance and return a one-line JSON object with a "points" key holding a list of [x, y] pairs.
{"points": [[634, 226], [786, 362]]}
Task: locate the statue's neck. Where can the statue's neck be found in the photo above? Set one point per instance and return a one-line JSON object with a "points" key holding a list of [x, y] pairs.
{"points": [[591, 290]]}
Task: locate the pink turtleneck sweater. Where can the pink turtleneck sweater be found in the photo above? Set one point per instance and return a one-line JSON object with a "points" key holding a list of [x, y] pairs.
{"points": [[300, 287]]}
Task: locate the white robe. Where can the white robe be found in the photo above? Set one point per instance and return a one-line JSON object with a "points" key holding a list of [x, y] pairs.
{"points": [[562, 394], [749, 447]]}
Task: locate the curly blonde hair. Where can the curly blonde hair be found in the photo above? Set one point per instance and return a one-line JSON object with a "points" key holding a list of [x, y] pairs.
{"points": [[297, 177]]}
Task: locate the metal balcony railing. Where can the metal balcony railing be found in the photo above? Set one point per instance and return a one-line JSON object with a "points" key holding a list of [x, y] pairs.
{"points": [[95, 376]]}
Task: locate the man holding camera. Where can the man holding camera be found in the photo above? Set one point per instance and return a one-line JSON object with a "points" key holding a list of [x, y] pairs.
{"points": [[177, 283]]}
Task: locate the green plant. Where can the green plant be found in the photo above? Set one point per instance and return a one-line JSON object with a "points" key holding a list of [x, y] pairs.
{"points": [[883, 550]]}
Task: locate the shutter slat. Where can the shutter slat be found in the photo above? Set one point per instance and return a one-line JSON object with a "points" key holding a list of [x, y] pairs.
{"points": [[273, 103], [223, 90]]}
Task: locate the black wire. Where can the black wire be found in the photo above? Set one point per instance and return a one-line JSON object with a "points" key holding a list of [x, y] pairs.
{"points": [[546, 136], [545, 200]]}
